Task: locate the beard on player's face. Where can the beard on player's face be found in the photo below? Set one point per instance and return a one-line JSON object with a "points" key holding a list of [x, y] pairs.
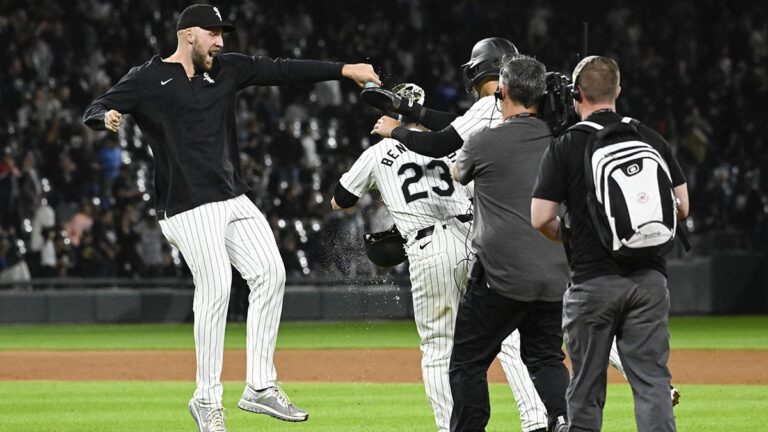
{"points": [[203, 54], [203, 58]]}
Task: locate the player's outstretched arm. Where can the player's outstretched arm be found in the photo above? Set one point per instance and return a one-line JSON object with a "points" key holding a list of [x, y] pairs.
{"points": [[392, 104], [278, 71], [433, 119], [432, 144]]}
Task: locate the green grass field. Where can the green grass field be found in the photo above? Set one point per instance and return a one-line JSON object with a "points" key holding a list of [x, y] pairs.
{"points": [[32, 406], [161, 406], [748, 332]]}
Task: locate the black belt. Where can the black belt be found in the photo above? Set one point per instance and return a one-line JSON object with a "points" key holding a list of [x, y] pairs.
{"points": [[425, 232]]}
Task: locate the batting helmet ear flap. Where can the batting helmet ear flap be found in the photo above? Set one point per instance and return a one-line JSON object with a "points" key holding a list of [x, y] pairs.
{"points": [[467, 74]]}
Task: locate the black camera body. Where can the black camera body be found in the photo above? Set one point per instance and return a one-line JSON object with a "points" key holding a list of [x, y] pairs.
{"points": [[556, 106]]}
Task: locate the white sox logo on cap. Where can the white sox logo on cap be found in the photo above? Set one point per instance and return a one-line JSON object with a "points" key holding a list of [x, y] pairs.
{"points": [[205, 16]]}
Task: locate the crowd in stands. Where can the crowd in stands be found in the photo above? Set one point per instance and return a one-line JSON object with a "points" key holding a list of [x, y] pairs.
{"points": [[78, 203]]}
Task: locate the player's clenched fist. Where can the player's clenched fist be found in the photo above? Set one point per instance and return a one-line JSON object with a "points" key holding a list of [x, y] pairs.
{"points": [[384, 126], [112, 120]]}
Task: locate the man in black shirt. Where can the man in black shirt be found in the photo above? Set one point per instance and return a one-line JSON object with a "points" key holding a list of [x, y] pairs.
{"points": [[518, 278], [185, 106], [625, 299]]}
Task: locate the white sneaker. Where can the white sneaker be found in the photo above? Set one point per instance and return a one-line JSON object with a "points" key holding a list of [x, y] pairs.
{"points": [[271, 401], [207, 419]]}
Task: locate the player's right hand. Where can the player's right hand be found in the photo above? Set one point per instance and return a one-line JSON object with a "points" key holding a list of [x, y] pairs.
{"points": [[112, 120], [360, 73], [384, 126]]}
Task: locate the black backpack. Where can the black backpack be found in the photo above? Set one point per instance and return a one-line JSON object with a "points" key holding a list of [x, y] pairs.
{"points": [[630, 196]]}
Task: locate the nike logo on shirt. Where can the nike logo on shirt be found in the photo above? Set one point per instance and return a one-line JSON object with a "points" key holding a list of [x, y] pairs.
{"points": [[166, 81], [424, 245]]}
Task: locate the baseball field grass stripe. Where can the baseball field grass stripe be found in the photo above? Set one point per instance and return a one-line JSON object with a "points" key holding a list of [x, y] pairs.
{"points": [[129, 406], [742, 332]]}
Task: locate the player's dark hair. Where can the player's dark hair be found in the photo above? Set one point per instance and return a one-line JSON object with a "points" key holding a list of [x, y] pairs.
{"points": [[525, 79]]}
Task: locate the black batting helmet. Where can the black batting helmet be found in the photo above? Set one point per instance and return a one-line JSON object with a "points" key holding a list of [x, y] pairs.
{"points": [[486, 60]]}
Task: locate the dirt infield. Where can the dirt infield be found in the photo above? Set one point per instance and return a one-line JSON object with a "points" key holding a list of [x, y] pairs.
{"points": [[381, 365]]}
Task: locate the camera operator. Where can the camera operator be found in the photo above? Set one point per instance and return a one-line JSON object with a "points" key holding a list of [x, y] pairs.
{"points": [[510, 287], [609, 296]]}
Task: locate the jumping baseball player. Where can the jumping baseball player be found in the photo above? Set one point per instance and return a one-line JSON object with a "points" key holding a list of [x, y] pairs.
{"points": [[184, 105], [432, 212]]}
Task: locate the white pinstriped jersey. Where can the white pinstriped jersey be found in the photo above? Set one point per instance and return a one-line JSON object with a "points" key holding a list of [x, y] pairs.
{"points": [[482, 114], [417, 190]]}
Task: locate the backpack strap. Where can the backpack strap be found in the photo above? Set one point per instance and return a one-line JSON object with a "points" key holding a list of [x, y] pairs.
{"points": [[630, 120], [593, 125], [595, 130], [586, 126]]}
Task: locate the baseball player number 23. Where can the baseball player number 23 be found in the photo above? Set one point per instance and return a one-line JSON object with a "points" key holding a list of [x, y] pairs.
{"points": [[418, 173]]}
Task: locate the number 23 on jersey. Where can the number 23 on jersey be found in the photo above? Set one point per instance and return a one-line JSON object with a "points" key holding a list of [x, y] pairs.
{"points": [[414, 172]]}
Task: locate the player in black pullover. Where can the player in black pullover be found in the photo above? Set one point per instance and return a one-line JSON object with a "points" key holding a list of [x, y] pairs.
{"points": [[185, 106]]}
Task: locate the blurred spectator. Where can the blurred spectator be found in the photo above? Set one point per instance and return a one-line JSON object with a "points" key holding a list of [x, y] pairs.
{"points": [[65, 256], [129, 262], [105, 238], [747, 204], [702, 63], [49, 264], [89, 258], [151, 247], [289, 254], [12, 267], [43, 221], [9, 189], [110, 162], [30, 186], [124, 190], [80, 223]]}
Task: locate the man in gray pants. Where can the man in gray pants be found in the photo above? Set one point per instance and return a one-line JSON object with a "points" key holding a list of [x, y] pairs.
{"points": [[627, 299]]}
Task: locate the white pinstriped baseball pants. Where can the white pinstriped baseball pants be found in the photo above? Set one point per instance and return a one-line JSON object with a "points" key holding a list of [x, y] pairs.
{"points": [[211, 237], [435, 282]]}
